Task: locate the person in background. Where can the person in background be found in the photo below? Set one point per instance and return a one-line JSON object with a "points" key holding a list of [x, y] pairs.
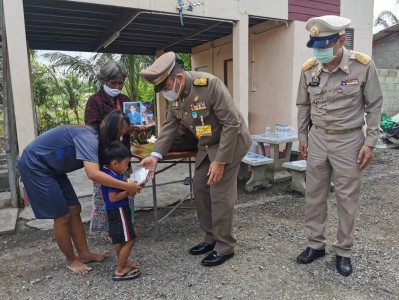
{"points": [[338, 90], [44, 165], [201, 103], [116, 160], [112, 77]]}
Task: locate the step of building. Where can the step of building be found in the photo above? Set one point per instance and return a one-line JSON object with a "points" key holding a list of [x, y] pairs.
{"points": [[8, 220], [5, 199]]}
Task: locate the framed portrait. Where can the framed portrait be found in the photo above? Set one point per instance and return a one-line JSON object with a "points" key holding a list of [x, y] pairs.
{"points": [[134, 111], [147, 114]]}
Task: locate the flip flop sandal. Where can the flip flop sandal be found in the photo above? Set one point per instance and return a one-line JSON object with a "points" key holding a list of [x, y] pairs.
{"points": [[132, 274]]}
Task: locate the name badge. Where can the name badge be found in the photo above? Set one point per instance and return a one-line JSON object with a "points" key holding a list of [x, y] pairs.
{"points": [[204, 130]]}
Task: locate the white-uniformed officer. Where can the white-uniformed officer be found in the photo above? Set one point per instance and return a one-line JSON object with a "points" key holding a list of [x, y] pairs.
{"points": [[338, 90]]}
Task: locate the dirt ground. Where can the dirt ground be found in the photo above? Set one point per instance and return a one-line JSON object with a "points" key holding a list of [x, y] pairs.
{"points": [[270, 232]]}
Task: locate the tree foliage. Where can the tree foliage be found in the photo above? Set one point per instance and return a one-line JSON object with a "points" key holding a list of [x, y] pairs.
{"points": [[386, 18], [61, 89]]}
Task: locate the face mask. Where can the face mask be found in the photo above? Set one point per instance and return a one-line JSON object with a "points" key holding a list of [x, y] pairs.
{"points": [[324, 55], [111, 92], [171, 95]]}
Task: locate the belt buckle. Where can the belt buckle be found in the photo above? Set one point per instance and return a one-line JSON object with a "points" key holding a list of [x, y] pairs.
{"points": [[330, 131]]}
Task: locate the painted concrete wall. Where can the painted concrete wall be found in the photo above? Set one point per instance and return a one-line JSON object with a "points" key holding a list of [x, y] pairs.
{"points": [[20, 72], [390, 90], [279, 55], [361, 14]]}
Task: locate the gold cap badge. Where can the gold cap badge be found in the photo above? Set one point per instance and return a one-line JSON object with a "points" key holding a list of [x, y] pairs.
{"points": [[314, 31]]}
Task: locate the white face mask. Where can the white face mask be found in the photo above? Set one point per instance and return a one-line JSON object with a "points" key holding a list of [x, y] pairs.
{"points": [[111, 92], [171, 95]]}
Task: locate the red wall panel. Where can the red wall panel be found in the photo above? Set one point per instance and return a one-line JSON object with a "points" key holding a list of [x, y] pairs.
{"points": [[303, 10]]}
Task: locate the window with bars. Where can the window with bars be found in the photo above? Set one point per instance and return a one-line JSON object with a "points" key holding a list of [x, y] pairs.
{"points": [[349, 35]]}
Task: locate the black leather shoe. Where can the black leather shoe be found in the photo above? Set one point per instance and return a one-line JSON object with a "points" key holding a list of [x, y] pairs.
{"points": [[215, 258], [201, 248], [344, 265], [309, 255]]}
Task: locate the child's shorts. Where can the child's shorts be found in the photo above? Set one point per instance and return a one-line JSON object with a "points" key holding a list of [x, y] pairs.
{"points": [[120, 225]]}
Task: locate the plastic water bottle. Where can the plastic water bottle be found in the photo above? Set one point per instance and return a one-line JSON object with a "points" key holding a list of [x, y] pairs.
{"points": [[267, 130], [286, 131], [278, 129]]}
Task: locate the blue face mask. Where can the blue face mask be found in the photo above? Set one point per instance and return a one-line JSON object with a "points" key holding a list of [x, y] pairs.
{"points": [[324, 55]]}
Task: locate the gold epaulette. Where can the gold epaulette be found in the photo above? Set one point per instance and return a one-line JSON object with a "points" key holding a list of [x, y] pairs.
{"points": [[363, 58], [309, 63], [200, 82]]}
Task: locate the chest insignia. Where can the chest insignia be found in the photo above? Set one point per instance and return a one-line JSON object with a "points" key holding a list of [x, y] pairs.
{"points": [[350, 81], [200, 82], [195, 99], [194, 114], [198, 106]]}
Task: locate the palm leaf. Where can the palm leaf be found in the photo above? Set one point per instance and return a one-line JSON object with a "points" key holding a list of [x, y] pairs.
{"points": [[386, 19]]}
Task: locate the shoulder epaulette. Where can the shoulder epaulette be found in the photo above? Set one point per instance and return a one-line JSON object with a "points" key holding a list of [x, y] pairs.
{"points": [[200, 82], [363, 58], [309, 63]]}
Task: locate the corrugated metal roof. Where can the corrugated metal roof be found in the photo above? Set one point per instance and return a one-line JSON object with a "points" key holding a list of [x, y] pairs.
{"points": [[385, 33], [73, 26]]}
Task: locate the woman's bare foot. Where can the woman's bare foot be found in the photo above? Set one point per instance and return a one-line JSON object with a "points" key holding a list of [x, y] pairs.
{"points": [[78, 267], [93, 257], [133, 265]]}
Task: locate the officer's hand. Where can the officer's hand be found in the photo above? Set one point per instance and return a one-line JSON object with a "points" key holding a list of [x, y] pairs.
{"points": [[303, 148], [150, 163], [364, 157], [132, 188], [215, 172]]}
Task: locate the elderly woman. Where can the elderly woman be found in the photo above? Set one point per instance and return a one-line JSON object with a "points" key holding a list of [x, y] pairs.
{"points": [[44, 165], [112, 77]]}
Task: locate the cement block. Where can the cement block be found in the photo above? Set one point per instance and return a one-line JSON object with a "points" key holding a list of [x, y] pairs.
{"points": [[392, 94], [392, 73], [27, 213], [390, 80], [391, 87], [8, 220], [383, 72], [381, 79], [5, 199]]}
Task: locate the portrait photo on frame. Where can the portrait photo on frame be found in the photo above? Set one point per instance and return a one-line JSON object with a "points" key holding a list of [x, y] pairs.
{"points": [[134, 111]]}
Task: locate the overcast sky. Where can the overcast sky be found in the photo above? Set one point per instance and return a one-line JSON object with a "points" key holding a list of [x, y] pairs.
{"points": [[380, 5]]}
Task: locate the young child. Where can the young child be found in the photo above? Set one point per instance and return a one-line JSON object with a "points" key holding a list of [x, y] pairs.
{"points": [[116, 160]]}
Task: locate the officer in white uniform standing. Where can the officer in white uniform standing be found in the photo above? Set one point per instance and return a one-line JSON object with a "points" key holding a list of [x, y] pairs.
{"points": [[338, 90]]}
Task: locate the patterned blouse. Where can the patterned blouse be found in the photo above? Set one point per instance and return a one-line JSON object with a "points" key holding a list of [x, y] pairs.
{"points": [[99, 105]]}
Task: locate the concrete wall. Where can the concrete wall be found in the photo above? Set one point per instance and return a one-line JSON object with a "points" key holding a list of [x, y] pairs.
{"points": [[279, 55], [361, 14], [386, 53], [390, 90]]}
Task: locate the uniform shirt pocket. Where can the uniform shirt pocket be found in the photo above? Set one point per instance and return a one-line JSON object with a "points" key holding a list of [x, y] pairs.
{"points": [[345, 96]]}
